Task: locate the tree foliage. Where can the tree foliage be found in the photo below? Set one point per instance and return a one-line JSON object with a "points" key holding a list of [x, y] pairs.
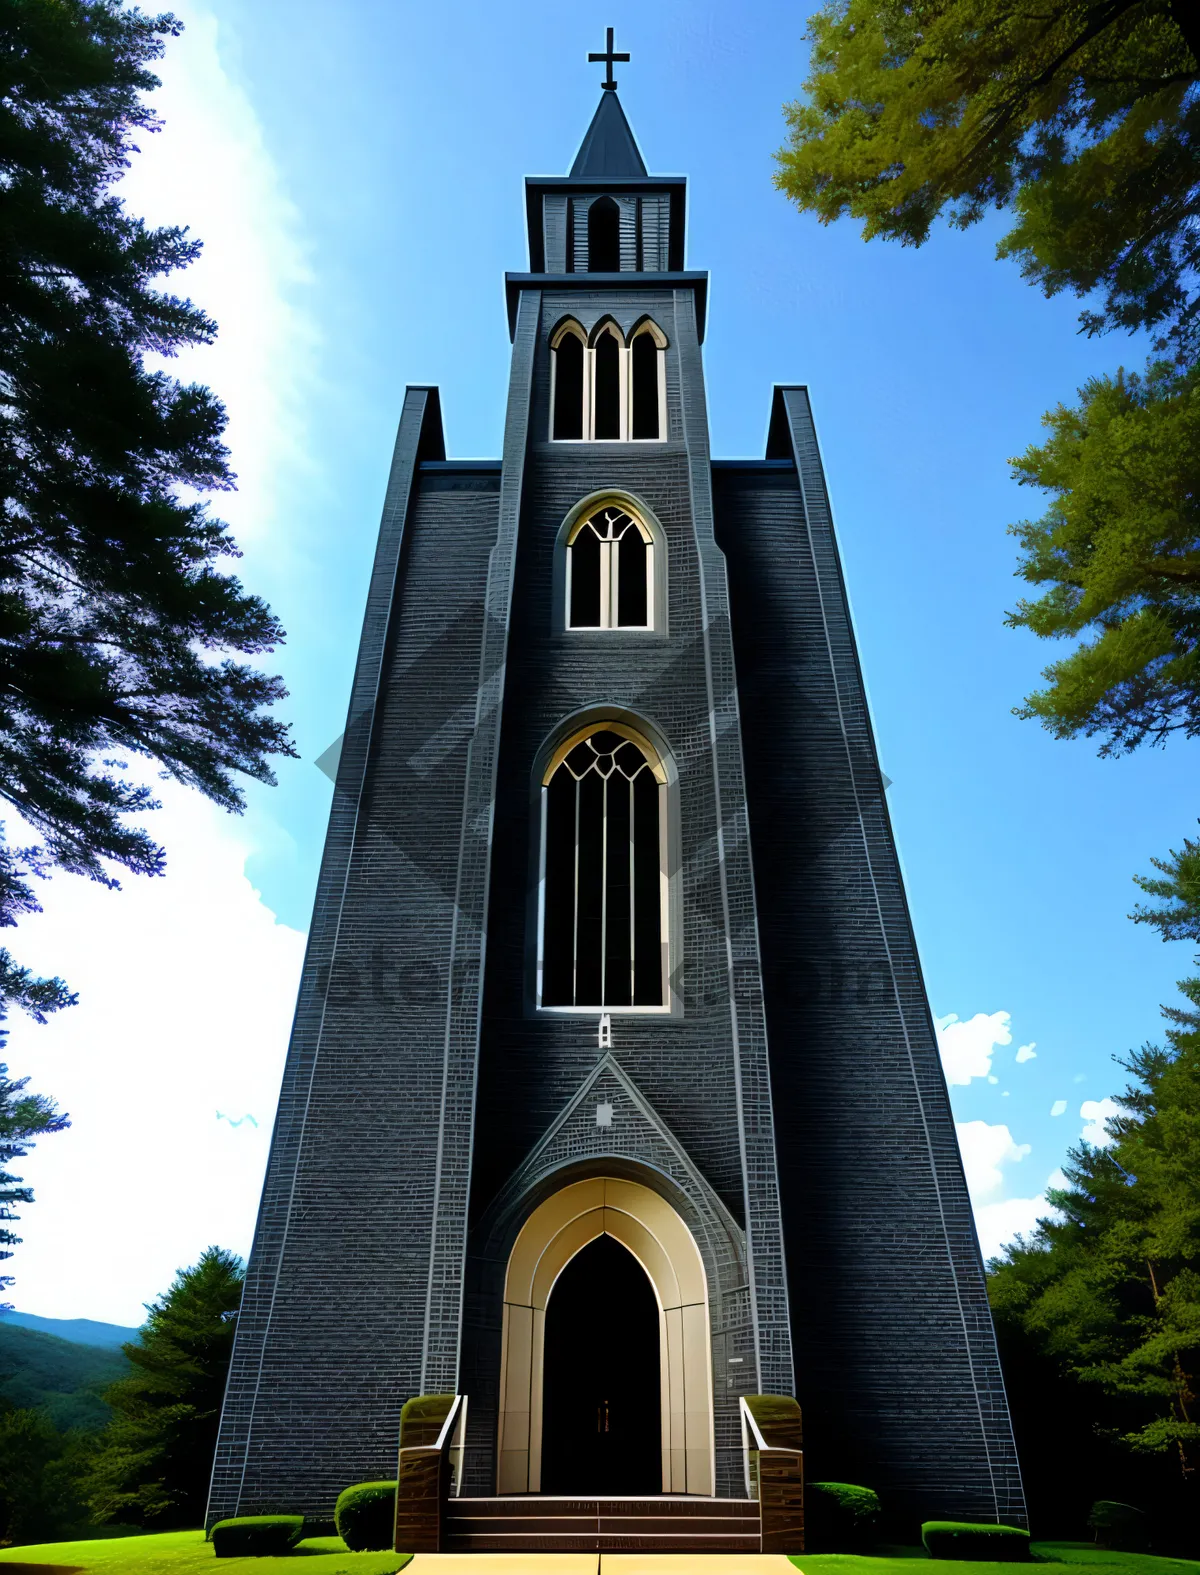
{"points": [[1082, 118], [1082, 115], [40, 1472], [1177, 887], [120, 631], [154, 1459], [1119, 549], [1110, 1288], [23, 1118]]}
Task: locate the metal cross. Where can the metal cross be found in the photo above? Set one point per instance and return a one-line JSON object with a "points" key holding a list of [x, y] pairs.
{"points": [[608, 57]]}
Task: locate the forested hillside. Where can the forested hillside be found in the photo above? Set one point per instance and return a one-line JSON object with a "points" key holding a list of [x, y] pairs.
{"points": [[65, 1381]]}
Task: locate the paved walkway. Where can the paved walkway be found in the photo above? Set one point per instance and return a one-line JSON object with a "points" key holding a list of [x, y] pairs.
{"points": [[600, 1564]]}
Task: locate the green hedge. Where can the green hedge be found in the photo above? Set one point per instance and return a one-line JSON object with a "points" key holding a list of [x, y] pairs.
{"points": [[1119, 1526], [839, 1517], [256, 1536], [422, 1419], [366, 1516], [962, 1539]]}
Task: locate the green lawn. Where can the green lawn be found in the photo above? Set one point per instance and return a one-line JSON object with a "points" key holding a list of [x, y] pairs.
{"points": [[912, 1561], [185, 1552]]}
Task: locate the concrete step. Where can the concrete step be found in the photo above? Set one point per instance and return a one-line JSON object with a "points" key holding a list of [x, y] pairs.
{"points": [[536, 1523]]}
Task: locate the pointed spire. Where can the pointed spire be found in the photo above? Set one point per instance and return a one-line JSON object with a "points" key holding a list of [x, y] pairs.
{"points": [[608, 147]]}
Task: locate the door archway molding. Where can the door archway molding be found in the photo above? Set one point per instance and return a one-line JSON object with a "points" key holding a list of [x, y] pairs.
{"points": [[648, 1227]]}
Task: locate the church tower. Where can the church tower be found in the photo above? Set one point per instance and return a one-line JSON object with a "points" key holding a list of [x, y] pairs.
{"points": [[613, 1094]]}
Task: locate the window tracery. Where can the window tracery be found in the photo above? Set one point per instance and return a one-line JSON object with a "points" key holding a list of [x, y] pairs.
{"points": [[610, 571], [603, 903]]}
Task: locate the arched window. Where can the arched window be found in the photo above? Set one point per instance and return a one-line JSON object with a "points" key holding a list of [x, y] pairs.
{"points": [[610, 571], [606, 397], [569, 355], [604, 236], [603, 390], [603, 885], [646, 381]]}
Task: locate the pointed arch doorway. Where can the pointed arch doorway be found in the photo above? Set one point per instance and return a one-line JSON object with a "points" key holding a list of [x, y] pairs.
{"points": [[601, 1421], [602, 1243]]}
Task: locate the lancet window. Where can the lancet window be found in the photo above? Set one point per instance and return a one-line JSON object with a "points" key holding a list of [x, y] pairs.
{"points": [[603, 890], [604, 236], [610, 572], [605, 390], [570, 356]]}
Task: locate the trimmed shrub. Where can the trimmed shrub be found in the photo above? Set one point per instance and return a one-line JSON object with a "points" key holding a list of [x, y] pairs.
{"points": [[1119, 1526], [964, 1539], [366, 1516], [839, 1517], [320, 1526], [422, 1419], [256, 1536]]}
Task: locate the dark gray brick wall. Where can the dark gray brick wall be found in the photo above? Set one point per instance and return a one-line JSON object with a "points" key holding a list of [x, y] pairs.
{"points": [[331, 1339], [896, 1364]]}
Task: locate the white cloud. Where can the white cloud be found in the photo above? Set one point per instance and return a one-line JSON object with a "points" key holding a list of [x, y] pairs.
{"points": [[1027, 1052], [186, 989], [966, 1048], [1095, 1113], [984, 1149], [999, 1223], [209, 169], [187, 984], [1058, 1108]]}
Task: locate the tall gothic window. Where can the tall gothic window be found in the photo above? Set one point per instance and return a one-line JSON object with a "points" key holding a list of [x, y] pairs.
{"points": [[610, 572], [646, 358], [570, 357], [604, 236], [607, 394], [603, 936]]}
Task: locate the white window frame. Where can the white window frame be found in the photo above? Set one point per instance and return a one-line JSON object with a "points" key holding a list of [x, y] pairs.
{"points": [[658, 766], [570, 326], [610, 582], [624, 374], [650, 327]]}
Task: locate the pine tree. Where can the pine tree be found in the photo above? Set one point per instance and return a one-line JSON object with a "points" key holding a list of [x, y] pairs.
{"points": [[119, 629], [23, 1118], [1082, 118], [154, 1460], [1110, 1289]]}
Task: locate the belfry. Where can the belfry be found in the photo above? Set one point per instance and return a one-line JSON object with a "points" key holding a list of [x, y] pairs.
{"points": [[613, 1099]]}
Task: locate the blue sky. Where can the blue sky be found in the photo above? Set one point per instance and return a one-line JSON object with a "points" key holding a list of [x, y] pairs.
{"points": [[356, 173]]}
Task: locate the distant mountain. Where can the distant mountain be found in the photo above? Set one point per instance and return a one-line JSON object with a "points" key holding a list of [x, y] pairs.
{"points": [[60, 1377], [83, 1331]]}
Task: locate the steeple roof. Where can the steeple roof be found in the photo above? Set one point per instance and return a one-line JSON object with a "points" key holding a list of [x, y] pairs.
{"points": [[608, 147]]}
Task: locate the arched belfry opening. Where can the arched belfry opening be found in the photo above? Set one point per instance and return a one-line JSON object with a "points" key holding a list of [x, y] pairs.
{"points": [[569, 396], [607, 398], [604, 236], [606, 1305], [601, 1418]]}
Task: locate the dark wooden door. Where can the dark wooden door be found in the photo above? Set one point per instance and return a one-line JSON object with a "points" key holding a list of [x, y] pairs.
{"points": [[601, 1408]]}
